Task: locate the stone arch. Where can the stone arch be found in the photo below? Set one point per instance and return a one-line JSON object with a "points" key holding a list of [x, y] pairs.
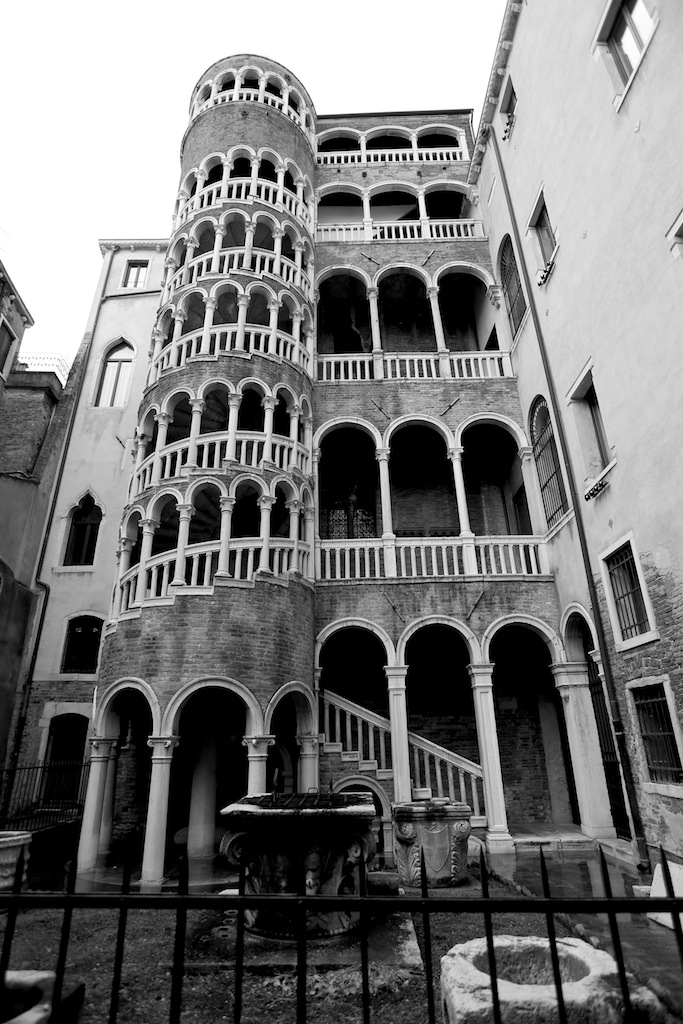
{"points": [[305, 703], [389, 129], [402, 268], [463, 267], [168, 404], [235, 152], [339, 269], [575, 609], [201, 292], [158, 501], [338, 186], [418, 420], [211, 161], [201, 483], [494, 419], [102, 714], [461, 628], [267, 216], [288, 485], [255, 384], [347, 421], [544, 631], [195, 231], [248, 478], [393, 186], [356, 623], [254, 713], [346, 133], [215, 382]]}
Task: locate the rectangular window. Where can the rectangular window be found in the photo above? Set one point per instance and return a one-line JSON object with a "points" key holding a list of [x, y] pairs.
{"points": [[136, 275], [544, 233], [627, 593], [508, 105], [590, 427], [628, 37], [602, 447], [7, 339], [657, 733]]}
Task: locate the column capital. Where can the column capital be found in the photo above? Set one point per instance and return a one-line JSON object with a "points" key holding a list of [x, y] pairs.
{"points": [[243, 301], [297, 316], [396, 676], [220, 230], [525, 452], [481, 676], [299, 246], [433, 291], [185, 511], [163, 417], [268, 402], [570, 673], [309, 514], [266, 502], [455, 453], [295, 506], [372, 293], [308, 744], [101, 747], [495, 294], [126, 544], [234, 400], [211, 302], [274, 304], [257, 746], [162, 747], [278, 232], [179, 314], [149, 525], [227, 504], [157, 335], [197, 404], [251, 228], [382, 454]]}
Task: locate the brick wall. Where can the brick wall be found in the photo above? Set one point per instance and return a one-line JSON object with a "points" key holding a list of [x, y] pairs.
{"points": [[25, 415]]}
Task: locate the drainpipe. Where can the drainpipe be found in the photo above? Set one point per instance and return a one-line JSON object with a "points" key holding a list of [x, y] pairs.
{"points": [[40, 584], [617, 723]]}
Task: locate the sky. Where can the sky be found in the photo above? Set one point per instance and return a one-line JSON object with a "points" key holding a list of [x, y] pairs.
{"points": [[95, 102]]}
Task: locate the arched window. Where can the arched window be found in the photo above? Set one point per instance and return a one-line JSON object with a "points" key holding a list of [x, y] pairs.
{"points": [[547, 462], [115, 376], [85, 524], [82, 644], [512, 286]]}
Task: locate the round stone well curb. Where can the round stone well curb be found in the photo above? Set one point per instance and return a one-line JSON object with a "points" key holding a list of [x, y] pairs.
{"points": [[590, 983]]}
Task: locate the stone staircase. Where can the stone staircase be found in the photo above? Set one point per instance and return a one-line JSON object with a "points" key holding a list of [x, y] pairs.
{"points": [[356, 741]]}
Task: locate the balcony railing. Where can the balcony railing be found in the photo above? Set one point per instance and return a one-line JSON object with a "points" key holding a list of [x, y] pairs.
{"points": [[241, 190], [417, 366], [399, 231], [431, 557], [212, 452], [442, 154], [263, 261], [252, 96], [202, 564], [223, 339]]}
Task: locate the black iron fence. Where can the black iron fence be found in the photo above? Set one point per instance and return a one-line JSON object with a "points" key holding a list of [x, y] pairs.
{"points": [[34, 797], [423, 905]]}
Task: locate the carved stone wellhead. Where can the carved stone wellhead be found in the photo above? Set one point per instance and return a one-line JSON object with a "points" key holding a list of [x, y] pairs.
{"points": [[438, 829]]}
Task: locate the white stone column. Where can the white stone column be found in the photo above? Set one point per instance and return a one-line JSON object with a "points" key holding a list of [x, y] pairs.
{"points": [[293, 411], [217, 246], [249, 232], [533, 491], [201, 828], [315, 460], [273, 309], [377, 353], [398, 716], [89, 842], [148, 528], [163, 419], [125, 549], [572, 682], [433, 296], [197, 406], [425, 231], [294, 508], [184, 516], [254, 176], [227, 506], [242, 308], [234, 402], [268, 403], [227, 167], [257, 759], [297, 317], [261, 89], [179, 319], [308, 764], [414, 146], [108, 802], [498, 838], [141, 449], [265, 503], [189, 255], [209, 307], [298, 263], [388, 535], [201, 180], [278, 235], [309, 534], [280, 171], [157, 811], [469, 554], [367, 218]]}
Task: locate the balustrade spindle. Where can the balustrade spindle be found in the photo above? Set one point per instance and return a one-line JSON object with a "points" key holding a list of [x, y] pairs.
{"points": [[428, 777], [349, 745], [194, 574], [475, 796], [371, 743], [463, 789], [416, 767], [382, 749], [337, 725], [326, 714], [153, 581]]}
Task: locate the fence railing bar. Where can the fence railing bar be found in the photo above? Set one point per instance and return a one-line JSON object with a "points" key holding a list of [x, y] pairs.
{"points": [[552, 942], [239, 949], [429, 974], [10, 926], [364, 958], [178, 973], [63, 945], [301, 949], [120, 943], [675, 918], [616, 940], [488, 927]]}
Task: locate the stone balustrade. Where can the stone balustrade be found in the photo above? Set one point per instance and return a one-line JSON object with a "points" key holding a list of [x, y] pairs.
{"points": [[261, 262], [399, 231], [243, 190], [250, 95], [401, 156], [413, 366], [226, 338]]}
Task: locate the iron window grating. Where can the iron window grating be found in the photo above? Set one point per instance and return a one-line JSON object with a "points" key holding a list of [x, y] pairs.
{"points": [[656, 730], [548, 464], [628, 596]]}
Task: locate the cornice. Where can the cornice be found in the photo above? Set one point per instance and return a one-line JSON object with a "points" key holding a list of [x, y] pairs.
{"points": [[113, 244]]}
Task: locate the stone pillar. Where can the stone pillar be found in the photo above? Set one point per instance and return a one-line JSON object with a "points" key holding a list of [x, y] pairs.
{"points": [[89, 843], [179, 318], [234, 402], [377, 354], [254, 176], [469, 554], [197, 406], [163, 419], [398, 716], [414, 146], [126, 548], [185, 514], [157, 811], [294, 508], [261, 89], [201, 179], [308, 764], [265, 503], [242, 308], [227, 506], [268, 404], [148, 528], [227, 167], [309, 534], [298, 262], [572, 684], [205, 344], [315, 460], [297, 317], [280, 171], [498, 838], [217, 245], [189, 255], [442, 347], [201, 828], [278, 235], [141, 449], [249, 232], [108, 802], [425, 231], [367, 218], [533, 491], [388, 535], [273, 309], [257, 758], [294, 412]]}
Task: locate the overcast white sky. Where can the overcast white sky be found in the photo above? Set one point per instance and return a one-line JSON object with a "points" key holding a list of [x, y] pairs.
{"points": [[95, 101]]}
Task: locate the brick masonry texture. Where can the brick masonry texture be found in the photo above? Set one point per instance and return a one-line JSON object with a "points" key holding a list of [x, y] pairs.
{"points": [[474, 251], [220, 128], [25, 416], [416, 173]]}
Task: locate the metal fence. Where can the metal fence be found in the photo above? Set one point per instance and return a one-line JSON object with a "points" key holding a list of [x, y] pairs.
{"points": [[422, 906], [34, 797]]}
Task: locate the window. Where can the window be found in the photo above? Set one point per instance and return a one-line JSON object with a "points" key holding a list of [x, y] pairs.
{"points": [[82, 644], [83, 530], [508, 105], [627, 593], [512, 286], [115, 376], [545, 234], [591, 430], [630, 32], [135, 274], [547, 463], [657, 733], [7, 339]]}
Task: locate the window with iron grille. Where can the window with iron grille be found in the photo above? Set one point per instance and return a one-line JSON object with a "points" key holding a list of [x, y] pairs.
{"points": [[512, 286], [547, 463], [657, 733], [629, 602]]}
